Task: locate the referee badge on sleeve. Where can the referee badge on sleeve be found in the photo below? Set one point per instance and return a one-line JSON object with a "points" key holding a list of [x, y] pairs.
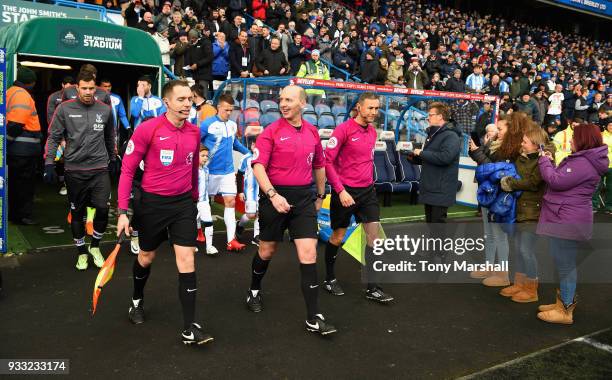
{"points": [[130, 147], [166, 156], [332, 143]]}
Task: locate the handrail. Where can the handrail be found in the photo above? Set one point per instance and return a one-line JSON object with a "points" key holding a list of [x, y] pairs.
{"points": [[169, 73], [346, 74], [103, 12]]}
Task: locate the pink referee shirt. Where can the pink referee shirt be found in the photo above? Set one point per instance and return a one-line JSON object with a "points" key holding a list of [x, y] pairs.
{"points": [[170, 157], [349, 156], [289, 154]]}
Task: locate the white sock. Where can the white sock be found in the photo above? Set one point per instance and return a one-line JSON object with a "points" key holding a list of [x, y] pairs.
{"points": [[229, 216], [256, 227], [208, 232]]}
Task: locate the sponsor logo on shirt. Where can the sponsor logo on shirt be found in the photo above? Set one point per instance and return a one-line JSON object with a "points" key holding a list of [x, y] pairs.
{"points": [[310, 158], [332, 143], [98, 127], [189, 159], [166, 156]]}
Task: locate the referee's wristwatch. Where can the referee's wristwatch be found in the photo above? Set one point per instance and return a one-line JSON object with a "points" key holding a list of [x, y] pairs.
{"points": [[122, 211], [271, 193], [321, 196]]}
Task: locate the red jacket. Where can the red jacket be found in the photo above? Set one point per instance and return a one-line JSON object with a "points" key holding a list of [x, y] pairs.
{"points": [[259, 9]]}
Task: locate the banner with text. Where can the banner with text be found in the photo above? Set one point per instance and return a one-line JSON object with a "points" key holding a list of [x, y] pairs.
{"points": [[16, 11]]}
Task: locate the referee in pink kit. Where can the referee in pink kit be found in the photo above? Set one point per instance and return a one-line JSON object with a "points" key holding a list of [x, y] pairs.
{"points": [[287, 152], [349, 164], [169, 147]]}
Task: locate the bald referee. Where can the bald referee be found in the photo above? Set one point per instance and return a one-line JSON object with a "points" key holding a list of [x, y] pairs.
{"points": [[349, 165], [287, 152], [169, 147]]}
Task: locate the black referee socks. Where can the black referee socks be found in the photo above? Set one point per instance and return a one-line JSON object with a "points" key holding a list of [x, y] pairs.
{"points": [[141, 274], [310, 289], [331, 251], [187, 290], [259, 268]]}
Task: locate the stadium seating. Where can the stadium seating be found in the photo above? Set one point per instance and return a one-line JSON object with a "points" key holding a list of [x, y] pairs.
{"points": [[326, 121], [267, 118], [252, 104], [322, 109], [308, 108], [325, 133], [311, 118], [268, 106], [338, 110], [340, 119]]}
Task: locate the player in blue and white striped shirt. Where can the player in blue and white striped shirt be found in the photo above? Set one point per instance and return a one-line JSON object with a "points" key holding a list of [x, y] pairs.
{"points": [[204, 217], [249, 194]]}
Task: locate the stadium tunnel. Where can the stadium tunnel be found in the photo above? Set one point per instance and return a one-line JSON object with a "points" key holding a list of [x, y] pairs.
{"points": [[54, 48]]}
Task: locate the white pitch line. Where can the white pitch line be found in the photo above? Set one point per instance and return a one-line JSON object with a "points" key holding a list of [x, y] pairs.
{"points": [[596, 344], [533, 354]]}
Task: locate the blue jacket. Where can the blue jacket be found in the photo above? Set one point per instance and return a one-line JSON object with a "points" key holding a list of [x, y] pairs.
{"points": [[221, 64], [501, 204]]}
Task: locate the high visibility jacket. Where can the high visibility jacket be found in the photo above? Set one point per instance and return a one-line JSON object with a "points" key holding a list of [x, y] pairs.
{"points": [[21, 109], [563, 144], [315, 70]]}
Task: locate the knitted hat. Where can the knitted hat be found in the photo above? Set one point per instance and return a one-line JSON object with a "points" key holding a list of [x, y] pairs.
{"points": [[26, 75]]}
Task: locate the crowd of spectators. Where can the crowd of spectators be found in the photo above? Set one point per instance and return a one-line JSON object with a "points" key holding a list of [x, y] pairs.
{"points": [[551, 76]]}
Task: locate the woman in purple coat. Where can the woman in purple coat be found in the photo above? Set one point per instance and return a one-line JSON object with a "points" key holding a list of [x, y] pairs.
{"points": [[567, 214]]}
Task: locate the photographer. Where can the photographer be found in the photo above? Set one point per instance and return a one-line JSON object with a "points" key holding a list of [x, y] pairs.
{"points": [[416, 78]]}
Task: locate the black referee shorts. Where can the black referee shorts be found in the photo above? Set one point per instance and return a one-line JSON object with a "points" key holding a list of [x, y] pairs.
{"points": [[161, 218], [301, 220], [88, 189], [365, 209]]}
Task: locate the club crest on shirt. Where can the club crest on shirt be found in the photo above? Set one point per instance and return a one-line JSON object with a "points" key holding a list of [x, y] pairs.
{"points": [[332, 143], [189, 159], [99, 118], [166, 156], [310, 158]]}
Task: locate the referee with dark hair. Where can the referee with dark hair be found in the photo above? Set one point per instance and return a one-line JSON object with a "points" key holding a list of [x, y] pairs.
{"points": [[169, 147], [349, 165], [287, 152]]}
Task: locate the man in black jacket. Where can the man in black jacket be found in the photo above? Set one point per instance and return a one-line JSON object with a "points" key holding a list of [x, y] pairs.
{"points": [[440, 164], [272, 61], [199, 59], [455, 84], [241, 61]]}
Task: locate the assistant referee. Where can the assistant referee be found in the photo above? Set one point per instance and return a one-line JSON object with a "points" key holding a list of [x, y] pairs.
{"points": [[169, 147], [287, 152], [349, 165]]}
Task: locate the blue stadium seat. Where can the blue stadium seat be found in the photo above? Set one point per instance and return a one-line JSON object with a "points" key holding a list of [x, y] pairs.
{"points": [[310, 117], [308, 108], [326, 121], [323, 109], [389, 138], [267, 118], [250, 103], [338, 110], [268, 106], [384, 174], [339, 119]]}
